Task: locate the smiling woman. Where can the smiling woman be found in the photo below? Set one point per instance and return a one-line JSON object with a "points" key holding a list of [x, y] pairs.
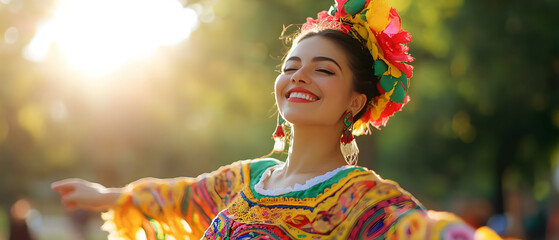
{"points": [[346, 74], [96, 37]]}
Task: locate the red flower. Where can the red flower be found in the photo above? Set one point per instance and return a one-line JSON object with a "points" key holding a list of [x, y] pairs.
{"points": [[340, 11], [392, 40]]}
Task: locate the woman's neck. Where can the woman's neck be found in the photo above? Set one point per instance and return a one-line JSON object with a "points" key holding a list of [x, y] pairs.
{"points": [[314, 151]]}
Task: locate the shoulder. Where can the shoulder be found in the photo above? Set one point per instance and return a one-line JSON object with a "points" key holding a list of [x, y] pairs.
{"points": [[375, 189], [247, 165], [250, 169], [373, 196], [262, 163], [380, 204], [256, 165], [254, 168], [387, 210]]}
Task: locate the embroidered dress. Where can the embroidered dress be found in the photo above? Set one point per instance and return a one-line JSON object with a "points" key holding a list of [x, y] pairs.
{"points": [[346, 203]]}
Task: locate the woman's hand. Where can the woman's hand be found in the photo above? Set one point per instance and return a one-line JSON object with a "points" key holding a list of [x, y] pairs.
{"points": [[80, 193]]}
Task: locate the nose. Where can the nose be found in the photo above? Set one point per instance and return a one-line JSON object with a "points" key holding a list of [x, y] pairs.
{"points": [[301, 76]]}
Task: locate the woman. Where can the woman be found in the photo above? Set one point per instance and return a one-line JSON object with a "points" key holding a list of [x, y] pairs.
{"points": [[346, 65]]}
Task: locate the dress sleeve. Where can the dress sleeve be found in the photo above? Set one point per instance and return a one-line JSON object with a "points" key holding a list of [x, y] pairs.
{"points": [[389, 212], [433, 225], [177, 208]]}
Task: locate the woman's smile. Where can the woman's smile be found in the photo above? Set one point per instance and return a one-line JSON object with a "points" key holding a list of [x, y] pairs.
{"points": [[313, 87], [301, 95]]}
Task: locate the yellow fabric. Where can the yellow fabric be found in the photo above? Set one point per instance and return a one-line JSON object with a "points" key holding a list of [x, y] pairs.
{"points": [[486, 233], [182, 208], [163, 204], [377, 14]]}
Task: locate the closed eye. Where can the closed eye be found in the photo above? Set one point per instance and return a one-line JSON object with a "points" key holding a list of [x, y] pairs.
{"points": [[289, 69], [325, 71]]}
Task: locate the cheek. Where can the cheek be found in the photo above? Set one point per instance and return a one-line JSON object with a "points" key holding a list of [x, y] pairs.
{"points": [[337, 92], [279, 86]]}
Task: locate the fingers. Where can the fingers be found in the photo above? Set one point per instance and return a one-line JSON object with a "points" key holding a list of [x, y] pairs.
{"points": [[65, 183], [63, 187], [66, 188], [80, 193], [68, 196]]}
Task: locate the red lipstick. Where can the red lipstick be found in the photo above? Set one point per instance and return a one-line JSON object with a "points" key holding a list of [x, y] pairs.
{"points": [[301, 95]]}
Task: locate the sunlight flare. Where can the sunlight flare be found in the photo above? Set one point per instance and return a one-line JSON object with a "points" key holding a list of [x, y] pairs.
{"points": [[98, 36]]}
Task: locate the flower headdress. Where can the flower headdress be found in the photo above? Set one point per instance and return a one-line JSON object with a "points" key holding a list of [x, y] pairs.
{"points": [[377, 26]]}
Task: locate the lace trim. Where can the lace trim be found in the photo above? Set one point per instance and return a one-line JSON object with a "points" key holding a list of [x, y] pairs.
{"points": [[259, 187]]}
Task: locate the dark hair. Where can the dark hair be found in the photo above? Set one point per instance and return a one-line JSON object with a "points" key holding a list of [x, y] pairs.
{"points": [[359, 59]]}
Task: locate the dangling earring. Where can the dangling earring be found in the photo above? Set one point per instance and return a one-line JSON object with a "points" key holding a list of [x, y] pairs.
{"points": [[348, 144], [279, 135]]}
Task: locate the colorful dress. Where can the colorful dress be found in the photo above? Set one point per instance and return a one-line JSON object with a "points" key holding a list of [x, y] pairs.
{"points": [[230, 203]]}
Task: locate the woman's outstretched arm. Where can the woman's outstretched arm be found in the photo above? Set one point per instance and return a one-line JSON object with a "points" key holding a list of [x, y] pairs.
{"points": [[180, 207], [80, 193]]}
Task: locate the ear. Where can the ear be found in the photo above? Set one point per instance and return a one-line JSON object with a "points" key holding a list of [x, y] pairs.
{"points": [[358, 101]]}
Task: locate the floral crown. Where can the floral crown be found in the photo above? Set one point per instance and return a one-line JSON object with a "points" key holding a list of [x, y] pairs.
{"points": [[377, 26]]}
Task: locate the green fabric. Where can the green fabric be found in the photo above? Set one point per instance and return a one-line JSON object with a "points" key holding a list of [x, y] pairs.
{"points": [[352, 7], [363, 15], [380, 68], [404, 80], [399, 95], [387, 84], [257, 170], [159, 233]]}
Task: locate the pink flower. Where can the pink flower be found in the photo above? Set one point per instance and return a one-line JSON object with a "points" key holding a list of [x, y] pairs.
{"points": [[392, 40], [325, 21]]}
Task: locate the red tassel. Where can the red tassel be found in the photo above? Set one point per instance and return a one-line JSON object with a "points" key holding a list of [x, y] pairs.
{"points": [[347, 137], [279, 132]]}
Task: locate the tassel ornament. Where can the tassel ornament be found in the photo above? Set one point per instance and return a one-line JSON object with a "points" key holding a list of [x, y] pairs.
{"points": [[348, 145], [279, 135]]}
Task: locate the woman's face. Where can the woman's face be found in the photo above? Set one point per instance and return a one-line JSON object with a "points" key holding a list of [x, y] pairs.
{"points": [[315, 86]]}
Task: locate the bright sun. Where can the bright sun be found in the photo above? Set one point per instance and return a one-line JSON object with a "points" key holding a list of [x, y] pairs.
{"points": [[98, 36]]}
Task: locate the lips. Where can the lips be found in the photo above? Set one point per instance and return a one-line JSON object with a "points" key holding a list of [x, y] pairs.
{"points": [[301, 95]]}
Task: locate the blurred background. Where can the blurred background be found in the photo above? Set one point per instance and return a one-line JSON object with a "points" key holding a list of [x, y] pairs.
{"points": [[115, 90]]}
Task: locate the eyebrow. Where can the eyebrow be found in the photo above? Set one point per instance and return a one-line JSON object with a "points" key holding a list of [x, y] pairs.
{"points": [[315, 59]]}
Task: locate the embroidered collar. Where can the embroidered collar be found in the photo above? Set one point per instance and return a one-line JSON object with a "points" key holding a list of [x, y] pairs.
{"points": [[259, 187]]}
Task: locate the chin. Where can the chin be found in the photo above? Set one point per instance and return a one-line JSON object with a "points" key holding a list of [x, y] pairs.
{"points": [[304, 118]]}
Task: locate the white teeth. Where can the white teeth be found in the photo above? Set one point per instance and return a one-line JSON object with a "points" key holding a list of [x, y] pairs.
{"points": [[302, 95]]}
